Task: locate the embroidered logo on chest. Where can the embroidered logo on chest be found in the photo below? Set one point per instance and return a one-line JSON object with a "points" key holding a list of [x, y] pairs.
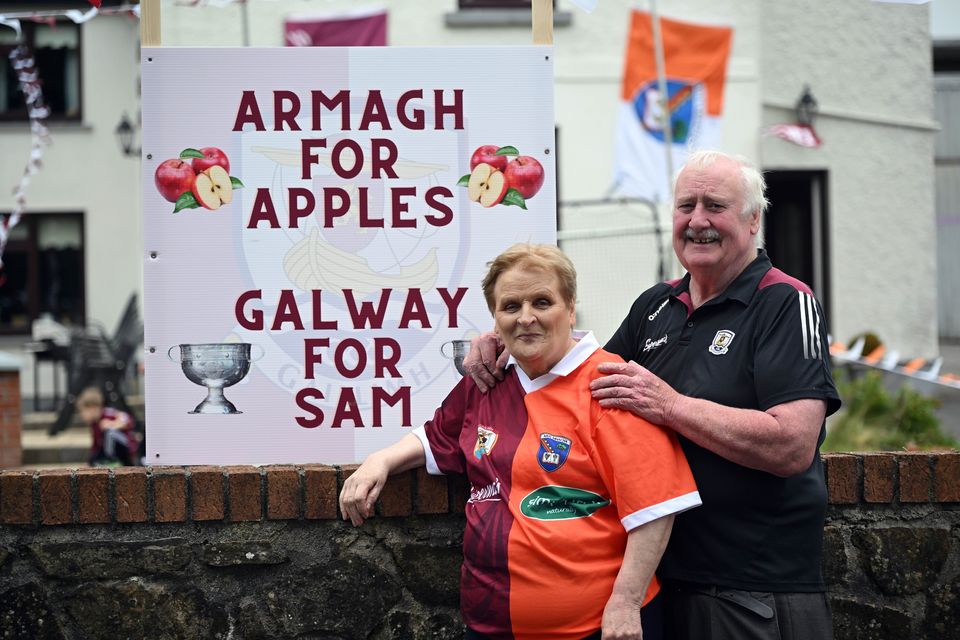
{"points": [[553, 451], [721, 342], [489, 493], [486, 439], [650, 345], [653, 316]]}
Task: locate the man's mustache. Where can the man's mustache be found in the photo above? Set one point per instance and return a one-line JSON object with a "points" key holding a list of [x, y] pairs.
{"points": [[707, 234]]}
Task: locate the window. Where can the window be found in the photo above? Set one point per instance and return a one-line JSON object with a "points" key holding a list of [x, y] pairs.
{"points": [[495, 4], [56, 50], [43, 271], [499, 13]]}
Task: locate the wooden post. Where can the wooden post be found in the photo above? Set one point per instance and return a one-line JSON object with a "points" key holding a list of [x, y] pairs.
{"points": [[542, 21], [149, 23]]}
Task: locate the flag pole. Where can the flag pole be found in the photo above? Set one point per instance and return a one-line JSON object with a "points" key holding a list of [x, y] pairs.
{"points": [[662, 89], [664, 122], [150, 23], [246, 22], [542, 11]]}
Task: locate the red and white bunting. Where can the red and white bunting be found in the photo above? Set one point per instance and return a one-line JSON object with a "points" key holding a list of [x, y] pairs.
{"points": [[12, 18], [21, 59], [79, 17], [13, 23], [207, 3]]}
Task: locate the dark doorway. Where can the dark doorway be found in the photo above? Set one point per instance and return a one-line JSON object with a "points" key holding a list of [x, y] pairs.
{"points": [[795, 228]]}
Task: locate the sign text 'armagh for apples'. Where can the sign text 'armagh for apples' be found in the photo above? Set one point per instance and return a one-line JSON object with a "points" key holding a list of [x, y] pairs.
{"points": [[317, 224]]}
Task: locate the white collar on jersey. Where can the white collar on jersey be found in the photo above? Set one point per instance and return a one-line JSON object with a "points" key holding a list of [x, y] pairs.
{"points": [[586, 345]]}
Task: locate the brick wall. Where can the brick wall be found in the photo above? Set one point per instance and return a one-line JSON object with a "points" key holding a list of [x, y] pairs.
{"points": [[11, 450], [201, 494], [892, 548]]}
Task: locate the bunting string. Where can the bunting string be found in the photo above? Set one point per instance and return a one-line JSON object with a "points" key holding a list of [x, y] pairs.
{"points": [[12, 18], [21, 59]]}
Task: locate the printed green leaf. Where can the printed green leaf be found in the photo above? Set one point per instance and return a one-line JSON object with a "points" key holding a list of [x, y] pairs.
{"points": [[185, 201], [464, 181], [235, 182], [190, 153], [507, 151], [514, 198]]}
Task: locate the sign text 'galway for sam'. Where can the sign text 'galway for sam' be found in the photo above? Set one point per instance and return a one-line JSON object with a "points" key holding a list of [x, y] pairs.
{"points": [[316, 239]]}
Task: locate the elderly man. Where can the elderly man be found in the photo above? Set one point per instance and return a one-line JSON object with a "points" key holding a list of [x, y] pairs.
{"points": [[734, 358]]}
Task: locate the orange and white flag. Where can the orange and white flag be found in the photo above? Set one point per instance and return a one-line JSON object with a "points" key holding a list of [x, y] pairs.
{"points": [[695, 67]]}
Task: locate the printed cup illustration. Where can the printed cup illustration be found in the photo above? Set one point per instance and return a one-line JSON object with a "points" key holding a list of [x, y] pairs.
{"points": [[197, 178], [458, 351], [214, 366], [496, 179]]}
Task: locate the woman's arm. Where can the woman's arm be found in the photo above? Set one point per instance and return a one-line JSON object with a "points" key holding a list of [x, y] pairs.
{"points": [[645, 545], [362, 488]]}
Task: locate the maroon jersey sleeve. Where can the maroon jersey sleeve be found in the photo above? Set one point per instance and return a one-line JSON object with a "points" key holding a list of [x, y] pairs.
{"points": [[440, 435]]}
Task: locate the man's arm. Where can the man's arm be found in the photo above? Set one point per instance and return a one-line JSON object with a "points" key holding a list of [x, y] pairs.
{"points": [[645, 545], [781, 440], [486, 361]]}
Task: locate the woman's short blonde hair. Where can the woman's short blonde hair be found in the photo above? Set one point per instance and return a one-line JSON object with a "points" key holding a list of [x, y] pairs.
{"points": [[535, 256]]}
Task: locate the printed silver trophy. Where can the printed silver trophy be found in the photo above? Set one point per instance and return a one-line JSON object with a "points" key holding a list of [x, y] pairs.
{"points": [[459, 349], [214, 366]]}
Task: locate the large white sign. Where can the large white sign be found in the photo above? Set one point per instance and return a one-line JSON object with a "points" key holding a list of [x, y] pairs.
{"points": [[317, 224]]}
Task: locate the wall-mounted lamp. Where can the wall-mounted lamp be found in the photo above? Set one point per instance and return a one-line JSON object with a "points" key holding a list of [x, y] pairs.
{"points": [[807, 108], [126, 132]]}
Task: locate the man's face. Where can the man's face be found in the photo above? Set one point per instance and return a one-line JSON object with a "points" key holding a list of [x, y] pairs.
{"points": [[710, 235]]}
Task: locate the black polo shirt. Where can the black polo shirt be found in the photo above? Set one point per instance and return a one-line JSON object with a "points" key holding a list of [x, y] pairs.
{"points": [[760, 343]]}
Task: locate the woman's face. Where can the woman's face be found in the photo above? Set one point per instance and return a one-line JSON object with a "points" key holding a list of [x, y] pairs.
{"points": [[532, 318]]}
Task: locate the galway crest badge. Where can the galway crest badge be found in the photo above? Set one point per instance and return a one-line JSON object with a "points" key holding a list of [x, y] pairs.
{"points": [[553, 451], [486, 439], [721, 342]]}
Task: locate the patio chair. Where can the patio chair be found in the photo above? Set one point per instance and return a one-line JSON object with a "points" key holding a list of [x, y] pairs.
{"points": [[104, 362]]}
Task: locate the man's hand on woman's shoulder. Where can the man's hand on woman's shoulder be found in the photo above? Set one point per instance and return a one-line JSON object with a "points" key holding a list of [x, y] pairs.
{"points": [[486, 361]]}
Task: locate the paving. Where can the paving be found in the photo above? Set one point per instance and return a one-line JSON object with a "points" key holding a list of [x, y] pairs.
{"points": [[68, 449]]}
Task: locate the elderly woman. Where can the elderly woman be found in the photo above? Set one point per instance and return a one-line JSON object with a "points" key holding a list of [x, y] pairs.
{"points": [[571, 504]]}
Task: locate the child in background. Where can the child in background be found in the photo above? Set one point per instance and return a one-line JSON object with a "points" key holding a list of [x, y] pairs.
{"points": [[114, 441]]}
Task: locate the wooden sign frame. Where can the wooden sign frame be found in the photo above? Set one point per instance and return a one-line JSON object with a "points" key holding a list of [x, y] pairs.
{"points": [[542, 17]]}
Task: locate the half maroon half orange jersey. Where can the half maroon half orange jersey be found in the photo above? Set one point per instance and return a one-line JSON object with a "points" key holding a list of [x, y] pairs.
{"points": [[556, 483]]}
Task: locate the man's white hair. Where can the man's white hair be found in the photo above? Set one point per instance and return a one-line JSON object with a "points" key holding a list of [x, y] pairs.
{"points": [[754, 186]]}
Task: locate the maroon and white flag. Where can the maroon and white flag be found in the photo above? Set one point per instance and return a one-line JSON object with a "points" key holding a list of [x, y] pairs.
{"points": [[358, 28], [800, 134]]}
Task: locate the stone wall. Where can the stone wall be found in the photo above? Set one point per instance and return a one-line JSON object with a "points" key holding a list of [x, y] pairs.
{"points": [[249, 552], [892, 545]]}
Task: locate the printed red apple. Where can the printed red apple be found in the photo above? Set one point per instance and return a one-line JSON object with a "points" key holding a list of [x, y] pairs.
{"points": [[487, 185], [211, 157], [525, 174], [212, 187], [173, 178], [488, 154]]}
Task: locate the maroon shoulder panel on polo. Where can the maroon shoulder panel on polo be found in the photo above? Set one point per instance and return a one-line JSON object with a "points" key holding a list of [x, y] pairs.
{"points": [[775, 276]]}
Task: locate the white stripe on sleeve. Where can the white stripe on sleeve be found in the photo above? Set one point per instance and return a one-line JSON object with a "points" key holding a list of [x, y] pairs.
{"points": [[803, 324], [674, 505], [432, 468]]}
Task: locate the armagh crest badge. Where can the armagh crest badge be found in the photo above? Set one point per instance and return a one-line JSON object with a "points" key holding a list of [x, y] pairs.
{"points": [[486, 439], [553, 451], [721, 342]]}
